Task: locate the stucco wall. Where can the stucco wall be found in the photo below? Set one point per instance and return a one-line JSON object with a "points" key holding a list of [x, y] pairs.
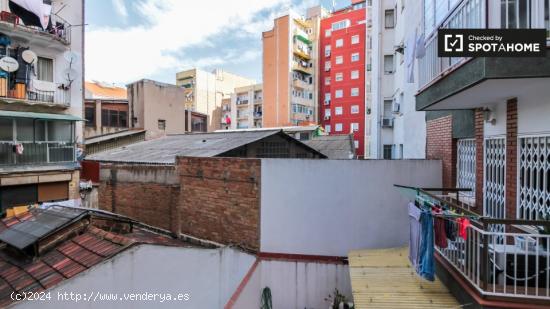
{"points": [[330, 207], [295, 284], [209, 276]]}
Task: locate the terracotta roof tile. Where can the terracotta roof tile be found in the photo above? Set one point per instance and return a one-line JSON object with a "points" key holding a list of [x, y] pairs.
{"points": [[101, 92]]}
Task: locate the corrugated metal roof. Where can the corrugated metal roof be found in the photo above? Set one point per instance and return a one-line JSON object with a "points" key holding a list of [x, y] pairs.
{"points": [[336, 147], [164, 150], [384, 278]]}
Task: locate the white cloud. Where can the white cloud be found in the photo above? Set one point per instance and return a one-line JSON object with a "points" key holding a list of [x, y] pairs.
{"points": [[124, 55], [120, 8]]}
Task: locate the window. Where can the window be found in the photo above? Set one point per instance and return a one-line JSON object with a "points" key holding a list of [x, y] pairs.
{"points": [[327, 81], [355, 39], [339, 60], [89, 115], [59, 131], [339, 77], [162, 124], [44, 69], [515, 14], [388, 108], [354, 74], [356, 144], [338, 127], [338, 110], [340, 25], [327, 112], [339, 42], [339, 93], [388, 64], [534, 178], [466, 162], [327, 50], [354, 92], [355, 109], [389, 19], [6, 129], [328, 32], [354, 57], [327, 65], [387, 152], [114, 118], [327, 98], [327, 128], [355, 126]]}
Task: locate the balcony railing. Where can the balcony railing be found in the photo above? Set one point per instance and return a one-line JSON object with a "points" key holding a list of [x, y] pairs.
{"points": [[498, 257], [469, 14], [60, 29], [37, 153], [20, 92]]}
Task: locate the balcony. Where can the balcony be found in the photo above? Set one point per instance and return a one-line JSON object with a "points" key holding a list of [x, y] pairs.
{"points": [[450, 83], [298, 83], [301, 68], [302, 54], [25, 95], [12, 25], [504, 260], [37, 153]]}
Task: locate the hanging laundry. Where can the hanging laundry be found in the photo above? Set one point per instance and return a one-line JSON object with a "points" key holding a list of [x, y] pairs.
{"points": [[414, 234], [410, 50], [440, 234], [426, 262], [450, 229], [32, 12], [420, 46], [463, 224]]}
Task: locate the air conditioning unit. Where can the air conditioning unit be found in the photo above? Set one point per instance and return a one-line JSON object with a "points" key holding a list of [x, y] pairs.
{"points": [[387, 122]]}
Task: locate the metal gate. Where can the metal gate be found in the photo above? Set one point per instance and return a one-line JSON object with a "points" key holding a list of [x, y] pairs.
{"points": [[534, 178], [466, 165], [495, 181]]}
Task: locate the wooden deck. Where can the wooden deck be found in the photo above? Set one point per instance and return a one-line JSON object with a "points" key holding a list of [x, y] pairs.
{"points": [[383, 278]]}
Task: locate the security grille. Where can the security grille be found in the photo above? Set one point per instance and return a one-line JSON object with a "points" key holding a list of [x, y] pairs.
{"points": [[495, 176], [534, 178], [466, 165]]}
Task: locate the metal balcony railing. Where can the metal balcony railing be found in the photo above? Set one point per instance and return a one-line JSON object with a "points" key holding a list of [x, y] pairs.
{"points": [[469, 14], [498, 257], [37, 153], [60, 29], [23, 93]]}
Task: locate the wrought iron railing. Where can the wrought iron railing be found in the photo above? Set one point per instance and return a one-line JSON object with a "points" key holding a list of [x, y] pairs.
{"points": [[37, 153], [21, 92]]}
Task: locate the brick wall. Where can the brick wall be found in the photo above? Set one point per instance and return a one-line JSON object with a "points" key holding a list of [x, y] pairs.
{"points": [[479, 122], [133, 192], [220, 200], [511, 157], [440, 145]]}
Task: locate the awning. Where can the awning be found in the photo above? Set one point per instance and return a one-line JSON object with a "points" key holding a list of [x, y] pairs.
{"points": [[303, 39], [43, 116]]}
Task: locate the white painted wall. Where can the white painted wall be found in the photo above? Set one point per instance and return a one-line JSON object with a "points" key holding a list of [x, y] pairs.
{"points": [[295, 284], [329, 207], [210, 276], [534, 113]]}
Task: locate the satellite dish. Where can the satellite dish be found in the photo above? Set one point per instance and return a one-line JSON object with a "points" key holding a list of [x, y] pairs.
{"points": [[9, 64], [70, 56], [29, 56], [70, 74]]}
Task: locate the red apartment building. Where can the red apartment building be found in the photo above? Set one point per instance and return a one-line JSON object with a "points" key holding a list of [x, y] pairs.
{"points": [[342, 73]]}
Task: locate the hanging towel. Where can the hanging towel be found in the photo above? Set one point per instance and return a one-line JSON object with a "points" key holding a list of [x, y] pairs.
{"points": [[426, 268], [410, 50], [420, 46], [450, 229], [440, 234], [414, 234], [32, 12], [463, 224]]}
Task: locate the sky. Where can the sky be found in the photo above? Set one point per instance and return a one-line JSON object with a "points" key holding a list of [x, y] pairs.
{"points": [[127, 40]]}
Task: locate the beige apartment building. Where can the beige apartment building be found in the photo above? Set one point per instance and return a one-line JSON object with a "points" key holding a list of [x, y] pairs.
{"points": [[160, 109], [247, 107], [290, 69], [204, 92]]}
